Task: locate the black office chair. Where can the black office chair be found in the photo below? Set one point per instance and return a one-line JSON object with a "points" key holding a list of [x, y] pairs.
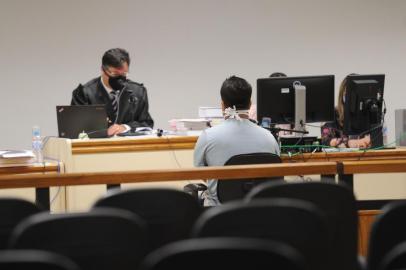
{"points": [[34, 259], [169, 214], [233, 253], [338, 204], [100, 239], [231, 190], [12, 212], [395, 259], [297, 223], [387, 232]]}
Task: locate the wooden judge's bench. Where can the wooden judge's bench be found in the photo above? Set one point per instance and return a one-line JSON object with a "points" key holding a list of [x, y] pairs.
{"points": [[117, 155], [171, 152]]}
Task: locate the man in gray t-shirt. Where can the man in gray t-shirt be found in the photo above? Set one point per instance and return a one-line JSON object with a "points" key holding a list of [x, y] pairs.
{"points": [[236, 135]]}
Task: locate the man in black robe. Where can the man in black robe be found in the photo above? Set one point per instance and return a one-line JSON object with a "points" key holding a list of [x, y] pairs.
{"points": [[126, 101]]}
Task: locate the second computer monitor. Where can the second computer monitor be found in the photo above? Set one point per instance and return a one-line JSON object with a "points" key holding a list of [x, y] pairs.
{"points": [[276, 98], [363, 103]]}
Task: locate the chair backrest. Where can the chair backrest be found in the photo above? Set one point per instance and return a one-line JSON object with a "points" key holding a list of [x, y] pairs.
{"points": [[395, 259], [297, 223], [12, 212], [100, 239], [231, 190], [234, 253], [168, 213], [34, 259], [338, 204], [387, 232]]}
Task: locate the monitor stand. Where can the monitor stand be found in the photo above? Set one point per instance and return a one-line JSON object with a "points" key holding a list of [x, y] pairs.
{"points": [[376, 136], [300, 107]]}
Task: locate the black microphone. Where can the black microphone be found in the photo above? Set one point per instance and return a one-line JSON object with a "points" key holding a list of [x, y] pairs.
{"points": [[371, 129]]}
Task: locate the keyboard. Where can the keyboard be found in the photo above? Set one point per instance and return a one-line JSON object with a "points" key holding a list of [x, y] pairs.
{"points": [[135, 133], [334, 149]]}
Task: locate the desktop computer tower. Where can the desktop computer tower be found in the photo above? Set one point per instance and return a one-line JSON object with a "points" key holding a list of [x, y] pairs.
{"points": [[400, 127]]}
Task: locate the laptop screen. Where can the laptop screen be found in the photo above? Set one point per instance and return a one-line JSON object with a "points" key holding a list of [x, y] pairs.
{"points": [[73, 120]]}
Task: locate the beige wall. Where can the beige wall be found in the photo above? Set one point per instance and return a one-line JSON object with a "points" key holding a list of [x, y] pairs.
{"points": [[183, 49]]}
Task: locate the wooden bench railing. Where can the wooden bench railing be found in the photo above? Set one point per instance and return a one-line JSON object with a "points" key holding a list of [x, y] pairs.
{"points": [[10, 169], [38, 180], [372, 166], [223, 172]]}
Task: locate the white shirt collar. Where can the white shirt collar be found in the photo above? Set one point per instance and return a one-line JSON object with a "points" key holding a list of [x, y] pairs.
{"points": [[108, 89]]}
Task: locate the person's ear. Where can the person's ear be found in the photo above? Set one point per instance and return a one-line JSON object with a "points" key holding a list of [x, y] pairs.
{"points": [[103, 72], [222, 106]]}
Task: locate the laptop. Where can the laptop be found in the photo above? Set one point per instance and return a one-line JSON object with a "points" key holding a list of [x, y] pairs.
{"points": [[73, 120]]}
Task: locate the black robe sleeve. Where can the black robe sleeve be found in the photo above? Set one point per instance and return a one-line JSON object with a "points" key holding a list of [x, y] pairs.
{"points": [[143, 119], [79, 97]]}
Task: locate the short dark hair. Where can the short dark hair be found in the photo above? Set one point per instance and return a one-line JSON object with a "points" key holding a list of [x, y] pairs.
{"points": [[277, 74], [236, 92], [115, 58]]}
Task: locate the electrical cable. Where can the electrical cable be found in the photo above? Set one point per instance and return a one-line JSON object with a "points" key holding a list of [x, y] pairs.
{"points": [[174, 155], [44, 142]]}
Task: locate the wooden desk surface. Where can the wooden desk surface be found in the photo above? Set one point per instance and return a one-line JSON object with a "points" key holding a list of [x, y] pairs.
{"points": [[128, 144], [152, 143], [27, 168], [224, 172], [387, 154]]}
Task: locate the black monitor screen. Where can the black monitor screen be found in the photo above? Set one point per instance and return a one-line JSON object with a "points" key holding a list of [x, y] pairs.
{"points": [[276, 98], [363, 103]]}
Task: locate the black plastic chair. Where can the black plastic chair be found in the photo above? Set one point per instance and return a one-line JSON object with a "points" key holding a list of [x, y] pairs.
{"points": [[169, 214], [387, 232], [338, 204], [234, 253], [395, 259], [297, 223], [231, 190], [12, 212], [34, 259], [100, 239]]}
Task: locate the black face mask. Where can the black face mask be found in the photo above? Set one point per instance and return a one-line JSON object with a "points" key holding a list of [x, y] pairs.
{"points": [[118, 82]]}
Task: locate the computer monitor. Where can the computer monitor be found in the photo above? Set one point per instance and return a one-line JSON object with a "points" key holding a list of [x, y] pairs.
{"points": [[363, 106], [277, 98]]}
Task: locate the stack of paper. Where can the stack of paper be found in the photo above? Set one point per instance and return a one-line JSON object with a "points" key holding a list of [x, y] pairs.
{"points": [[16, 156], [193, 124], [337, 149], [189, 124], [16, 153], [210, 112]]}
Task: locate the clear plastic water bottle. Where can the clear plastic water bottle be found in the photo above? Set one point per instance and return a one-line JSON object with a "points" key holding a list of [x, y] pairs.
{"points": [[385, 134], [37, 144], [266, 122]]}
